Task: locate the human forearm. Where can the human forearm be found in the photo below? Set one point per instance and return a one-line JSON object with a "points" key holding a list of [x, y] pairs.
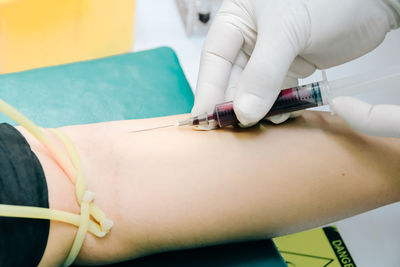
{"points": [[265, 182], [176, 188]]}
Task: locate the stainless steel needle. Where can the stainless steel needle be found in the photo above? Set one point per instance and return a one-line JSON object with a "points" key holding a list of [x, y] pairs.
{"points": [[154, 128]]}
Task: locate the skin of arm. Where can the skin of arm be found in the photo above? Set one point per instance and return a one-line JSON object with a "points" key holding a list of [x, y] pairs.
{"points": [[177, 188]]}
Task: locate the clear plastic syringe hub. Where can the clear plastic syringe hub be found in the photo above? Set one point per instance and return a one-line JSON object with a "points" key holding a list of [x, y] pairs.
{"points": [[203, 119]]}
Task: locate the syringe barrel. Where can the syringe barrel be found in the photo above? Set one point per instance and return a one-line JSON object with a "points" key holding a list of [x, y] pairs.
{"points": [[300, 97], [289, 100], [224, 114]]}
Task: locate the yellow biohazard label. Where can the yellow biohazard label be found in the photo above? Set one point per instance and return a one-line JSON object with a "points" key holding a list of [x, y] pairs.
{"points": [[322, 247]]}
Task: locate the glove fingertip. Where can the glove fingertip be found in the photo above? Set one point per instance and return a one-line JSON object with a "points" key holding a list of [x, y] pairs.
{"points": [[241, 125], [341, 105], [278, 119], [249, 108], [296, 114], [355, 112]]}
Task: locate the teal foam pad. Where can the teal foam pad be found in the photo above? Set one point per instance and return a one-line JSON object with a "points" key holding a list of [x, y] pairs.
{"points": [[129, 86]]}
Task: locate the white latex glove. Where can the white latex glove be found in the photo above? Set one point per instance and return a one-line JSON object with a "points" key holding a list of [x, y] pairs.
{"points": [[379, 120], [257, 47]]}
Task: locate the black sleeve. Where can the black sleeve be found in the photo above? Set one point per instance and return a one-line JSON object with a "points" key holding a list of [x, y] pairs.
{"points": [[22, 182]]}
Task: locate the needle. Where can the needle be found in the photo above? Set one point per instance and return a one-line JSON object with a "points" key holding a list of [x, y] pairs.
{"points": [[154, 128]]}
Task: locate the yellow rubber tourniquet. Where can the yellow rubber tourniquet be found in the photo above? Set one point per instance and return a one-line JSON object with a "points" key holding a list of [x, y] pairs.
{"points": [[73, 168]]}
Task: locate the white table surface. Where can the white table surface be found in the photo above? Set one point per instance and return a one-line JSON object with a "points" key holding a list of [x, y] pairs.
{"points": [[373, 238]]}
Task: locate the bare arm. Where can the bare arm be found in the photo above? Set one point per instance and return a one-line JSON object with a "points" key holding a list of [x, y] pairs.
{"points": [[177, 188]]}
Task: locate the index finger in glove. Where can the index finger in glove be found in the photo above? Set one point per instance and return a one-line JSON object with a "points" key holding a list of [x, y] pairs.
{"points": [[222, 46], [378, 120]]}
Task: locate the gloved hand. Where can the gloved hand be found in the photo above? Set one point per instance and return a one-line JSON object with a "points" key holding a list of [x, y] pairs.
{"points": [[379, 120], [257, 47]]}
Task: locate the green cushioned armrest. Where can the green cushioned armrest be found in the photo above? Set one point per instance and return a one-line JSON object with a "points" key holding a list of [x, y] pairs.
{"points": [[129, 86]]}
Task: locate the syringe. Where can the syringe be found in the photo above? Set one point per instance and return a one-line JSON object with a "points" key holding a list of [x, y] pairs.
{"points": [[305, 96]]}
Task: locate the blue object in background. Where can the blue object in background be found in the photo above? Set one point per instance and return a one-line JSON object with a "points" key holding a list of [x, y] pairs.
{"points": [[130, 86]]}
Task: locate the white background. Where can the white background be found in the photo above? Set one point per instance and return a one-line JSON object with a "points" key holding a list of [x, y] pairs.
{"points": [[373, 238]]}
